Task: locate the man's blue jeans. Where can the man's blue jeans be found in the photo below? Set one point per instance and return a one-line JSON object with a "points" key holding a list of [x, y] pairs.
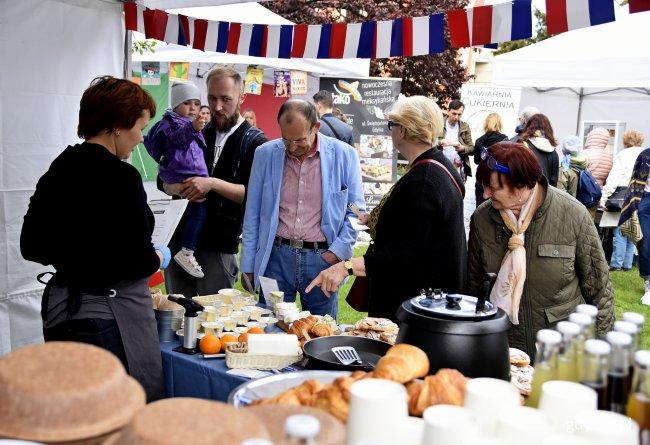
{"points": [[294, 269], [623, 253]]}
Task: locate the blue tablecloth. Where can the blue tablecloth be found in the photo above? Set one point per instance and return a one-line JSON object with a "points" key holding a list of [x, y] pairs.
{"points": [[194, 376]]}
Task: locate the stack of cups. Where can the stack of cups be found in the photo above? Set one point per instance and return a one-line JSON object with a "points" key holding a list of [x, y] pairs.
{"points": [[449, 425], [522, 425], [561, 400], [378, 409], [606, 428], [486, 397]]}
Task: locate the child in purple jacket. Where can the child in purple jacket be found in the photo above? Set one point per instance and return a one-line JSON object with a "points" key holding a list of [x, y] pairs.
{"points": [[176, 144]]}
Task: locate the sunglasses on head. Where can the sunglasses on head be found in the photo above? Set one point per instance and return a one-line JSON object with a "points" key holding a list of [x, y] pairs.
{"points": [[493, 164]]}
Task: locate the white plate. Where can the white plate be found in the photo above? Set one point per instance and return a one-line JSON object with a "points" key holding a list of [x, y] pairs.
{"points": [[273, 385]]}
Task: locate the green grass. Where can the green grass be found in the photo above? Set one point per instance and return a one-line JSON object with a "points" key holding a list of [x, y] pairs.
{"points": [[628, 289]]}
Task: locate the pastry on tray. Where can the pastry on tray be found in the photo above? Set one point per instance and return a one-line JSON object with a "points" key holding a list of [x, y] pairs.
{"points": [[519, 357]]}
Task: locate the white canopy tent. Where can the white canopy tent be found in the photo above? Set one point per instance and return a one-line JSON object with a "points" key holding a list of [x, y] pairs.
{"points": [[596, 73], [51, 50]]}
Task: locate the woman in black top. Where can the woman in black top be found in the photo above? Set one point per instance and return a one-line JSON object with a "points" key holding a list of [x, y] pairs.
{"points": [[492, 128], [538, 136], [89, 219], [420, 236]]}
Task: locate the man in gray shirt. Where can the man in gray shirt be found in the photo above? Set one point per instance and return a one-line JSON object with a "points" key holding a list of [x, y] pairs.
{"points": [[330, 125]]}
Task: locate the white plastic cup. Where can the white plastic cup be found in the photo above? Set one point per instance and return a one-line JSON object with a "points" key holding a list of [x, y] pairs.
{"points": [[486, 397], [377, 406], [606, 428], [448, 425], [560, 401], [210, 313], [522, 425]]}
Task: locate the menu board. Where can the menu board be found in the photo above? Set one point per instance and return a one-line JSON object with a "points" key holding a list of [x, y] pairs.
{"points": [[363, 102]]}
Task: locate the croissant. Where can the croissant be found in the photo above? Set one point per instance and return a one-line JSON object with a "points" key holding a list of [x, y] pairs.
{"points": [[335, 398], [413, 389], [402, 363], [301, 395], [446, 387], [303, 324], [321, 329]]}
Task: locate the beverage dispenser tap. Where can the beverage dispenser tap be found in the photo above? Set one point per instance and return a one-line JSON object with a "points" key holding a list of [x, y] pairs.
{"points": [[190, 323], [488, 282]]}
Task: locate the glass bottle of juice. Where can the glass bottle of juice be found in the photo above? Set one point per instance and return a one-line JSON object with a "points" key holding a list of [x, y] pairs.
{"points": [[548, 343], [594, 370], [301, 429], [567, 368], [584, 321], [638, 404], [592, 311], [619, 379], [636, 318], [631, 329]]}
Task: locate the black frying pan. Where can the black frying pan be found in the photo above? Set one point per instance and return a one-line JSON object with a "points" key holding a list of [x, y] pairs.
{"points": [[319, 352]]}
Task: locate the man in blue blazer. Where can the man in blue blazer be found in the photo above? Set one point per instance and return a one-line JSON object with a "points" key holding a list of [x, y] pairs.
{"points": [[297, 207]]}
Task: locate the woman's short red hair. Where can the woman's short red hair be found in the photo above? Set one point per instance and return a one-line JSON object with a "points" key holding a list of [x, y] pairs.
{"points": [[110, 103], [524, 167]]}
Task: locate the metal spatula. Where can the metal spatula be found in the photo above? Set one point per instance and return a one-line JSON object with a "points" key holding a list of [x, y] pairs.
{"points": [[347, 355]]}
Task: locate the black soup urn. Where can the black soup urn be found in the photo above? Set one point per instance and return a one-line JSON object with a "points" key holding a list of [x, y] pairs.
{"points": [[457, 331]]}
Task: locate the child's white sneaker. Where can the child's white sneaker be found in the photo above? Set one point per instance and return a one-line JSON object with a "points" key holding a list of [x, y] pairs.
{"points": [[185, 259]]}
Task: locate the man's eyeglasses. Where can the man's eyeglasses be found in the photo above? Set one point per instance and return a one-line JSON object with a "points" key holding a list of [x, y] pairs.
{"points": [[493, 164], [391, 125], [289, 142]]}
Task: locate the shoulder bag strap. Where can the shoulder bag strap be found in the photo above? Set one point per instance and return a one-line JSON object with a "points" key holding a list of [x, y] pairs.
{"points": [[332, 128], [433, 161]]}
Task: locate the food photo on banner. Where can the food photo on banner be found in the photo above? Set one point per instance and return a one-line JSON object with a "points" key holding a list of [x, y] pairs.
{"points": [[254, 80], [363, 103], [282, 84]]}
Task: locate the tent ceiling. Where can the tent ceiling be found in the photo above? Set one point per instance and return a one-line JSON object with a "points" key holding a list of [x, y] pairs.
{"points": [[613, 55], [247, 13]]}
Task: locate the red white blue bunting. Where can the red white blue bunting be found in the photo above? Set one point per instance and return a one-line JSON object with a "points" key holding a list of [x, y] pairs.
{"points": [[484, 25], [405, 36], [567, 15]]}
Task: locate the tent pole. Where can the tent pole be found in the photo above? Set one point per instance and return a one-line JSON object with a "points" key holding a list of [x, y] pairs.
{"points": [[581, 96], [128, 42]]}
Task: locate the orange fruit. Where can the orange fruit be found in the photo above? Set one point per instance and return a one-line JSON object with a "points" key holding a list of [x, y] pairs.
{"points": [[228, 338], [256, 330], [210, 344], [243, 338]]}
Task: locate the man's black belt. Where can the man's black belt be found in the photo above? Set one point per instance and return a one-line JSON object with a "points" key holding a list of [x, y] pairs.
{"points": [[300, 244]]}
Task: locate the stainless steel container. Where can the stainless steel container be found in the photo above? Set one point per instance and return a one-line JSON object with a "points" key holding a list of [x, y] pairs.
{"points": [[189, 332], [168, 322]]}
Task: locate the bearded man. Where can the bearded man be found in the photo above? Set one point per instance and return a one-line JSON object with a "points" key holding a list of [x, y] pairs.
{"points": [[231, 143]]}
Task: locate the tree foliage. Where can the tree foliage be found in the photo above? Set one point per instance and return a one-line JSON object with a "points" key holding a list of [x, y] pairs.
{"points": [[540, 34], [435, 75], [144, 46]]}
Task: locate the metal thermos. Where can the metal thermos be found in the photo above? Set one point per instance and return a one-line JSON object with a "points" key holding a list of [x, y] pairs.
{"points": [[190, 321], [190, 329]]}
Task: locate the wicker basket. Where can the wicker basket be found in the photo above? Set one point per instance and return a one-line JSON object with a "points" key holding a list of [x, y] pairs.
{"points": [[237, 356]]}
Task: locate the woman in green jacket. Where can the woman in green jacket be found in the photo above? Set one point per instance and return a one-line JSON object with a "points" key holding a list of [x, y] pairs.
{"points": [[542, 243]]}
